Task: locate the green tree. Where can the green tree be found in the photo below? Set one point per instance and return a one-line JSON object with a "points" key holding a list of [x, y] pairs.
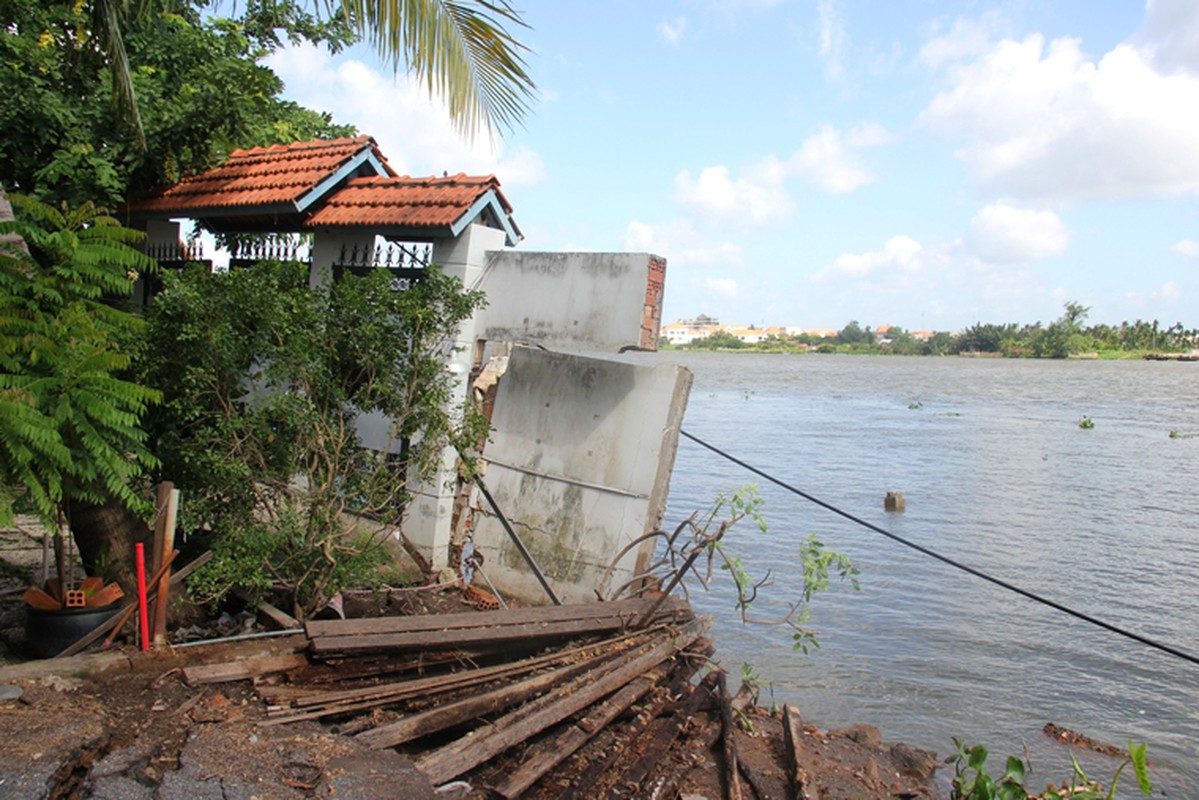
{"points": [[460, 49], [70, 432], [203, 94], [853, 333], [1064, 336], [280, 471], [720, 340]]}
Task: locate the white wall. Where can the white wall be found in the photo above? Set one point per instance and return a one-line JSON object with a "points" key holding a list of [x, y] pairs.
{"points": [[600, 302]]}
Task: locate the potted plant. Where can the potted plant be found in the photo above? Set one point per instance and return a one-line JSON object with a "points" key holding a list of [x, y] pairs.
{"points": [[70, 424]]}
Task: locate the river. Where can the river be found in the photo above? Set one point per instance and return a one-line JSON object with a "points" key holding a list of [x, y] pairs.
{"points": [[998, 474]]}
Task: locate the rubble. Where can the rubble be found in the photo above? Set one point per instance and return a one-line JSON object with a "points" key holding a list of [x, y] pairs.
{"points": [[619, 699]]}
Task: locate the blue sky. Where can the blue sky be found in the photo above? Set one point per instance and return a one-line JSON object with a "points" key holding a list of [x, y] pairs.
{"points": [[912, 162]]}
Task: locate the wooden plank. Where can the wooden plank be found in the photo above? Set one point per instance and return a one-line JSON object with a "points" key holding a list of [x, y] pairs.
{"points": [[557, 749], [164, 543], [667, 732], [282, 620], [468, 752], [466, 709], [241, 670], [728, 742], [495, 637], [347, 701], [506, 669], [587, 782], [627, 610], [797, 777]]}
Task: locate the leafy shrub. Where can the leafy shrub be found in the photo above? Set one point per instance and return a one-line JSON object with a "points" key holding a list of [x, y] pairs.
{"points": [[266, 380]]}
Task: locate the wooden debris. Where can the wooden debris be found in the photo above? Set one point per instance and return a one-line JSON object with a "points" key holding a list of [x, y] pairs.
{"points": [[281, 619], [557, 749], [468, 752], [164, 544], [665, 734], [486, 629], [241, 670], [613, 711], [728, 742], [793, 743]]}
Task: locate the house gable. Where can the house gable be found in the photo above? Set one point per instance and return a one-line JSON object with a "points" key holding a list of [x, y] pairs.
{"points": [[325, 184]]}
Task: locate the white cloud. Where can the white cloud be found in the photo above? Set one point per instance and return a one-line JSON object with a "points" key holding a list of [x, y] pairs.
{"points": [[672, 30], [831, 37], [1168, 292], [413, 131], [829, 158], [966, 38], [1043, 121], [1170, 35], [681, 244], [1003, 234], [1186, 247], [901, 254], [758, 197]]}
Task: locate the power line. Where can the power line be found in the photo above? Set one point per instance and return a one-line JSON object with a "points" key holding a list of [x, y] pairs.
{"points": [[946, 560]]}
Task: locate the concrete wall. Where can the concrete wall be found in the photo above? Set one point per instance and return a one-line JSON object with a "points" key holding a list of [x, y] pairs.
{"points": [[579, 463], [603, 302], [429, 522]]}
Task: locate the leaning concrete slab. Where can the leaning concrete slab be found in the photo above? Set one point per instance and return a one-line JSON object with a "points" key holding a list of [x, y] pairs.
{"points": [[579, 462]]}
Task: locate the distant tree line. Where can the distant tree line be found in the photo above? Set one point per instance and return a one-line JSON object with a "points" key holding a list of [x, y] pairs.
{"points": [[1067, 335]]}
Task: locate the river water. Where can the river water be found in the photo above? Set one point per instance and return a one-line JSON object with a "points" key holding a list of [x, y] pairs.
{"points": [[997, 474]]}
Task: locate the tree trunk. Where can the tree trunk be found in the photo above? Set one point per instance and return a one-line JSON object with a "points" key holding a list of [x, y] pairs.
{"points": [[106, 536], [9, 240]]}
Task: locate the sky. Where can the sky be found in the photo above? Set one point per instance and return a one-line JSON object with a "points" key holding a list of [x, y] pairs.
{"points": [[917, 163]]}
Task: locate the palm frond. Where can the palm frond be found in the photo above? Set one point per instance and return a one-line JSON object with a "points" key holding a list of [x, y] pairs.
{"points": [[461, 51], [109, 21]]}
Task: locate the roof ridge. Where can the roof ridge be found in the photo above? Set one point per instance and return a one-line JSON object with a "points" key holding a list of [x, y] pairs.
{"points": [[300, 148]]}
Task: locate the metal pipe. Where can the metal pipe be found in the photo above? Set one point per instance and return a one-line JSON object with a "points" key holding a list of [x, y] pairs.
{"points": [[528, 557], [143, 612]]}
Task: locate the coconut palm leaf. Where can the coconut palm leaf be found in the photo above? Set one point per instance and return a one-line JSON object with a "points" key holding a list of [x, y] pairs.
{"points": [[461, 51]]}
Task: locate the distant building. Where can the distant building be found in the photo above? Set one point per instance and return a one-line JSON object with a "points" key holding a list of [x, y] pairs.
{"points": [[746, 333], [688, 330]]}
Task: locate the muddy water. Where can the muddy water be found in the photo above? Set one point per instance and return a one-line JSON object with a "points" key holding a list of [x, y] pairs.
{"points": [[997, 474]]}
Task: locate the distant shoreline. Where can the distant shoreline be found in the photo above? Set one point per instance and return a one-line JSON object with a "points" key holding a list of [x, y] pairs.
{"points": [[1104, 355]]}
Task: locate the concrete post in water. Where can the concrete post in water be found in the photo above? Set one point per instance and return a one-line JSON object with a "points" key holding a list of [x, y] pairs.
{"points": [[894, 502]]}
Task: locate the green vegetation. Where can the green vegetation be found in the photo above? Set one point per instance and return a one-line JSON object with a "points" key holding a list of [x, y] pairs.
{"points": [[70, 420], [972, 782], [820, 564], [1086, 423], [276, 465], [1065, 337], [105, 100]]}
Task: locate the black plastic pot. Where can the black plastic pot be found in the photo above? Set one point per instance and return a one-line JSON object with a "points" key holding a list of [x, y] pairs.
{"points": [[48, 633]]}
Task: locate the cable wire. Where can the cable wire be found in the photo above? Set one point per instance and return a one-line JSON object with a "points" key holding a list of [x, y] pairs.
{"points": [[946, 560]]}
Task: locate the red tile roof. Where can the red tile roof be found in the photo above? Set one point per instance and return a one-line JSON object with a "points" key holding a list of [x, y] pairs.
{"points": [[405, 202], [264, 176], [337, 183]]}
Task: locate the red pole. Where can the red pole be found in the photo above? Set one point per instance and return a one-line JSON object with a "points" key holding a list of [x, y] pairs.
{"points": [[142, 610]]}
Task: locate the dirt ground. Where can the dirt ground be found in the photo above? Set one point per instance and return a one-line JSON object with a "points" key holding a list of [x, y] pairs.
{"points": [[137, 730], [125, 725]]}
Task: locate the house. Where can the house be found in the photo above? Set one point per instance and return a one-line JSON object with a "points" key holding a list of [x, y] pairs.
{"points": [[584, 441], [746, 333], [688, 330]]}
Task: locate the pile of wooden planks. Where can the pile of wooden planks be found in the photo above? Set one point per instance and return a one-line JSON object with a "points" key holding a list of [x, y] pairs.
{"points": [[502, 698]]}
